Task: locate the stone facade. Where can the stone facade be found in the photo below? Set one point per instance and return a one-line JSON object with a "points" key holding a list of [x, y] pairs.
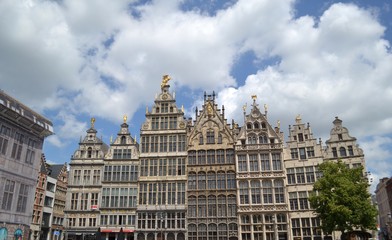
{"points": [[22, 133], [211, 192], [202, 179]]}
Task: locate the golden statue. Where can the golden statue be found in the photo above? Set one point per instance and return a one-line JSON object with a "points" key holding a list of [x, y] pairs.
{"points": [[125, 118], [244, 107], [209, 109], [254, 97], [92, 122], [165, 80]]}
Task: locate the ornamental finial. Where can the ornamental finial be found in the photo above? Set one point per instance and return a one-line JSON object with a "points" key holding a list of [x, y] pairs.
{"points": [[125, 118]]}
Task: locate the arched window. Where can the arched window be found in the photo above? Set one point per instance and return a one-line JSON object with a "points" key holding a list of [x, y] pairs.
{"points": [[221, 181], [212, 206], [219, 138], [201, 203], [244, 194], [230, 180], [222, 206], [192, 232], [201, 157], [201, 180], [192, 157], [343, 152], [202, 232], [249, 125], [211, 180], [252, 139], [263, 139], [192, 206], [192, 180], [210, 137], [201, 140], [263, 125], [256, 125], [123, 140], [231, 206]]}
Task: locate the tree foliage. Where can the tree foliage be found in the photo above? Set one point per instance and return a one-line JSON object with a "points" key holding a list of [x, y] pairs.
{"points": [[341, 199]]}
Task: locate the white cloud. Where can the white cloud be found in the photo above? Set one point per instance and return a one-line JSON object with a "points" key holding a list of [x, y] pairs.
{"points": [[94, 58]]}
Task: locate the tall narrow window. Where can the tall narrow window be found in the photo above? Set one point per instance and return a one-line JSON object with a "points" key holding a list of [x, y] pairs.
{"points": [[242, 163], [255, 191], [279, 191], [210, 137], [267, 192], [343, 152], [244, 194], [8, 194]]}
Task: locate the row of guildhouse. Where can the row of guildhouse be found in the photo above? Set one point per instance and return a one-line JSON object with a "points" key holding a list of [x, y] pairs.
{"points": [[225, 181]]}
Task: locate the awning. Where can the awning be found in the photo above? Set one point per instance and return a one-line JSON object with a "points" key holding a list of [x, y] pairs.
{"points": [[106, 230], [128, 230]]}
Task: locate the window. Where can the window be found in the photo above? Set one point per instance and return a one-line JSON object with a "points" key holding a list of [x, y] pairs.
{"points": [[74, 201], [300, 137], [302, 153], [192, 157], [244, 195], [211, 180], [231, 180], [211, 206], [221, 180], [265, 162], [220, 156], [293, 201], [229, 156], [201, 157], [255, 191], [201, 141], [210, 156], [252, 139], [164, 122], [172, 122], [192, 206], [290, 176], [202, 206], [210, 137], [303, 200], [163, 144], [340, 136], [181, 143], [253, 163], [3, 145], [201, 180], [263, 139], [279, 191], [342, 151], [267, 192], [219, 138], [310, 177], [77, 176], [221, 206], [242, 163], [8, 194], [350, 151], [192, 180], [334, 152], [310, 152], [172, 143], [276, 162], [300, 175]]}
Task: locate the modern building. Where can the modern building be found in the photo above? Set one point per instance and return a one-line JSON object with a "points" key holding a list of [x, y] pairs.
{"points": [[22, 134], [262, 201], [85, 187], [119, 187], [303, 153], [211, 193], [161, 210]]}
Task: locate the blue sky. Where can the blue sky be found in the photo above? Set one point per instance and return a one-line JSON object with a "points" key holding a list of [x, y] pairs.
{"points": [[72, 60]]}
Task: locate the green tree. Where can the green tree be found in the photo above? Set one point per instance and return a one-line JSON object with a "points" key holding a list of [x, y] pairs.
{"points": [[341, 199]]}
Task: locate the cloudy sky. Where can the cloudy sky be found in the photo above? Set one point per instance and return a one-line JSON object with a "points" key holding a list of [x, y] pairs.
{"points": [[72, 60]]}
